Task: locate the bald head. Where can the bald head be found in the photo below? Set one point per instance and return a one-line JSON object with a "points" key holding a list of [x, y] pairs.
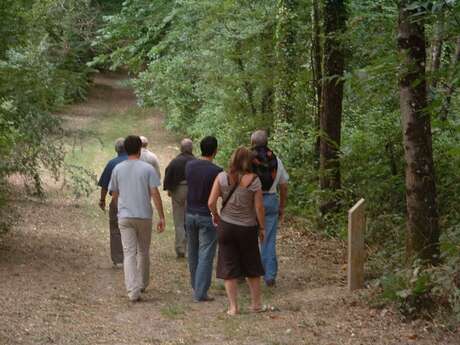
{"points": [[186, 146], [120, 145], [259, 138], [144, 140]]}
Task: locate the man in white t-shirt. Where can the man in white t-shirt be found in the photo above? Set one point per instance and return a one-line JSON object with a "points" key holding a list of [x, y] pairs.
{"points": [[149, 157], [133, 184], [274, 178]]}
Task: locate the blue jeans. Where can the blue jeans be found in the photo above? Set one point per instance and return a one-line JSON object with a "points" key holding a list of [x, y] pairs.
{"points": [[201, 247], [268, 247]]}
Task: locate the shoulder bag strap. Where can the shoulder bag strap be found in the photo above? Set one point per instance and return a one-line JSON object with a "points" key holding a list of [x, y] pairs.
{"points": [[224, 203]]}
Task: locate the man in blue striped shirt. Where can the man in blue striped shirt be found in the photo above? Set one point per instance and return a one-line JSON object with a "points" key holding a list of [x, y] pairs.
{"points": [[116, 249]]}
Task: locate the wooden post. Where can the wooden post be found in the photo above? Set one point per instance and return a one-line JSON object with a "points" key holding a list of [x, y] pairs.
{"points": [[356, 228]]}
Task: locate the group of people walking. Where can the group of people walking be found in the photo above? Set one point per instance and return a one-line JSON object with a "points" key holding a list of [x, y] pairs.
{"points": [[243, 229]]}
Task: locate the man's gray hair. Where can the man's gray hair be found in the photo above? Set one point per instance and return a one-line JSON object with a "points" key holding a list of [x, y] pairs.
{"points": [[144, 140], [259, 138], [186, 145], [120, 145]]}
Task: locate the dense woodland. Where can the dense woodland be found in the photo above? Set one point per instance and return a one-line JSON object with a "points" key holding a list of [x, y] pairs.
{"points": [[361, 99]]}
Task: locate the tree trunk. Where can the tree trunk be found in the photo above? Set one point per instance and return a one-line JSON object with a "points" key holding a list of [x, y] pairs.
{"points": [[285, 60], [444, 113], [422, 216], [247, 86], [317, 73], [332, 95], [435, 52], [268, 93]]}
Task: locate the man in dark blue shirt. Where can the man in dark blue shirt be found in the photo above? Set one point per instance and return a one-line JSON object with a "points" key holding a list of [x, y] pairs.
{"points": [[176, 185], [201, 233], [116, 249]]}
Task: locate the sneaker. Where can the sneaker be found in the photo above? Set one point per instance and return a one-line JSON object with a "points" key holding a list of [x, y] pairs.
{"points": [[135, 295]]}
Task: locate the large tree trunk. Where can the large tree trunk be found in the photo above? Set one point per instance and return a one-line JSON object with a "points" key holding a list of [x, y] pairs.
{"points": [[332, 95], [268, 92], [247, 86], [316, 55], [422, 216], [285, 59], [435, 52]]}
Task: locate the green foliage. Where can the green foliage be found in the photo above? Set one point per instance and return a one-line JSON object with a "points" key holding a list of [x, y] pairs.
{"points": [[229, 67], [410, 289], [82, 181], [423, 291], [44, 49]]}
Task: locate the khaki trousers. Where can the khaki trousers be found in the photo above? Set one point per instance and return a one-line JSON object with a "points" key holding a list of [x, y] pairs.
{"points": [[179, 198], [135, 236], [116, 249]]}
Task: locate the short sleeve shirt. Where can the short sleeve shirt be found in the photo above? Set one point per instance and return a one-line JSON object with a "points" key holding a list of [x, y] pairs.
{"points": [[151, 158], [133, 179], [281, 177], [200, 175], [104, 180], [240, 208]]}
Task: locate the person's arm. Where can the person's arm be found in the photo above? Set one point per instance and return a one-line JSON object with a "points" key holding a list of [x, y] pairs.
{"points": [[212, 201], [283, 198], [115, 196], [113, 187], [102, 199], [156, 197], [166, 180], [104, 182], [260, 213], [156, 165]]}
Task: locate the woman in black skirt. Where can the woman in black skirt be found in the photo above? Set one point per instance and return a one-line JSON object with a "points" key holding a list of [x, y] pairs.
{"points": [[240, 226]]}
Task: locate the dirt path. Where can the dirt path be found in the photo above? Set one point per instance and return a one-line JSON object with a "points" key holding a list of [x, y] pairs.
{"points": [[57, 285]]}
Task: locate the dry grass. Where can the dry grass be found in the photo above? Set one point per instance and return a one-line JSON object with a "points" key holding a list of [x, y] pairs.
{"points": [[57, 284]]}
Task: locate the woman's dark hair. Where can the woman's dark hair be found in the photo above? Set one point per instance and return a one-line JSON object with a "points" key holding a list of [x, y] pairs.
{"points": [[133, 145], [208, 146], [240, 163]]}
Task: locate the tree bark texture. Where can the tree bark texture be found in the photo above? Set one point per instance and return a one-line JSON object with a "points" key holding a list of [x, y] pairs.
{"points": [[332, 94], [422, 216], [286, 59]]}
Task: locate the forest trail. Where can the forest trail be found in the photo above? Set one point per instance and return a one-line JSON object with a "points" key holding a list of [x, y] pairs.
{"points": [[58, 286]]}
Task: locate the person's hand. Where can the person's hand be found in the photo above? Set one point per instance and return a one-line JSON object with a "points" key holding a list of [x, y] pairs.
{"points": [[215, 219], [281, 214], [102, 204], [261, 234], [161, 225]]}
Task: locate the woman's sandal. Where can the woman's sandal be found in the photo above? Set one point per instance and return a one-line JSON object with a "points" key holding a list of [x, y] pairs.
{"points": [[230, 313]]}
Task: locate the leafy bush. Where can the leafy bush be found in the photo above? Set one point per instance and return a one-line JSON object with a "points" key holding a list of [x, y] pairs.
{"points": [[410, 289], [42, 66]]}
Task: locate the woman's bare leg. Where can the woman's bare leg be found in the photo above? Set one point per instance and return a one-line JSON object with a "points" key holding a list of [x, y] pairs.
{"points": [[231, 287], [254, 288]]}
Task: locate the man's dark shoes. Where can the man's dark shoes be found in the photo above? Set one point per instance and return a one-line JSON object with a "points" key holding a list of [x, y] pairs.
{"points": [[270, 282], [205, 299]]}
